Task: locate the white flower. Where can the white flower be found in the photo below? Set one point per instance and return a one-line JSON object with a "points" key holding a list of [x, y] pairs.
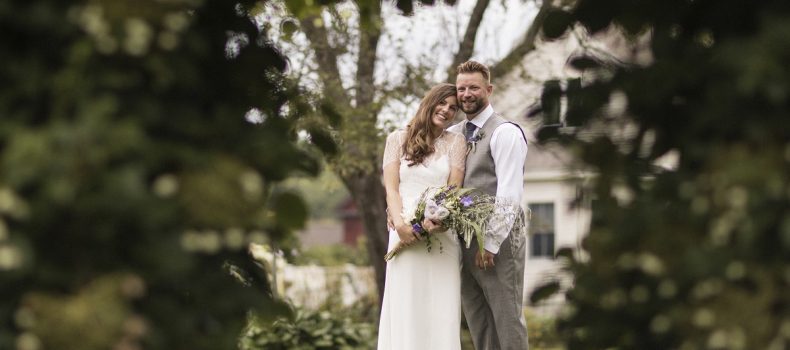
{"points": [[434, 211]]}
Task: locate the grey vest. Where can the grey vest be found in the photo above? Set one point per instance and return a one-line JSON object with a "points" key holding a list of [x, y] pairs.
{"points": [[480, 171]]}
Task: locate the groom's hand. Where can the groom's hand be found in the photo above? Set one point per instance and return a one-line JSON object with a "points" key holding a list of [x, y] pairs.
{"points": [[431, 226], [484, 260]]}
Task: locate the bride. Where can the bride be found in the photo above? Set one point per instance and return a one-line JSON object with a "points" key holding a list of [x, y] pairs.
{"points": [[421, 309]]}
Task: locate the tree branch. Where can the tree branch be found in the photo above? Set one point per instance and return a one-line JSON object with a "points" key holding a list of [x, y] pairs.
{"points": [[467, 45], [370, 24], [526, 45], [326, 58]]}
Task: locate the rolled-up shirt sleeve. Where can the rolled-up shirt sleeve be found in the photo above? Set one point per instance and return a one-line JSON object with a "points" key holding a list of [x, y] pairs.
{"points": [[509, 150]]}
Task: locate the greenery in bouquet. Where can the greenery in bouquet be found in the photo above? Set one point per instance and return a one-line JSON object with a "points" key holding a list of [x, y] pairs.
{"points": [[463, 210]]}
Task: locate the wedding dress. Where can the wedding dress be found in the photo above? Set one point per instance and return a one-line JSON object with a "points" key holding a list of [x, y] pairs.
{"points": [[421, 309]]}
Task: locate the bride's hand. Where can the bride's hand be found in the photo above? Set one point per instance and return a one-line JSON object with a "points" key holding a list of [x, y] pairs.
{"points": [[406, 233]]}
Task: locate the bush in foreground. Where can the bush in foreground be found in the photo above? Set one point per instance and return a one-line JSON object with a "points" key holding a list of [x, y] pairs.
{"points": [[309, 330]]}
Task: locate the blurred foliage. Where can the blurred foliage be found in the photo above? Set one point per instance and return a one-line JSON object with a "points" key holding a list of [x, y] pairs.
{"points": [[696, 256], [140, 143], [103, 301], [542, 331], [128, 149], [323, 194], [333, 255], [311, 330]]}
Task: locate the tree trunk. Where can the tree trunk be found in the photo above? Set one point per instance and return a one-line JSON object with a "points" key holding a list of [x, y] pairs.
{"points": [[368, 194], [365, 185]]}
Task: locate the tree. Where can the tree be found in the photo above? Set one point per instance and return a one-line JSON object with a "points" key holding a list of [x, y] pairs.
{"points": [[131, 180], [694, 256], [353, 108]]}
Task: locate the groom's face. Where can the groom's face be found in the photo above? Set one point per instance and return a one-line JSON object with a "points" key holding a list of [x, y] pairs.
{"points": [[473, 92]]}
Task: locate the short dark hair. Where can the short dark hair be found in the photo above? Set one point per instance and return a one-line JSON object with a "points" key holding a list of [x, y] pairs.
{"points": [[474, 67]]}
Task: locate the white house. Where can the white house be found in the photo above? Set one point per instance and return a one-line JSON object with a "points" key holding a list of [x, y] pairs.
{"points": [[557, 220], [552, 181]]}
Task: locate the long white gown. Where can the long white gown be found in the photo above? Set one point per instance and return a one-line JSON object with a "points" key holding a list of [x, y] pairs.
{"points": [[421, 309]]}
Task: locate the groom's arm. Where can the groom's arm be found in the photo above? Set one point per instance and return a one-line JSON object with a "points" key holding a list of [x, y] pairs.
{"points": [[509, 150]]}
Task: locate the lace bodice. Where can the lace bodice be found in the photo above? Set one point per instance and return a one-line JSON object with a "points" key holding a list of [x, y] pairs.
{"points": [[450, 152]]}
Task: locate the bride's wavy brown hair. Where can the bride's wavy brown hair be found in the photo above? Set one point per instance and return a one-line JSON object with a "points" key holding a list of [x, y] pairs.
{"points": [[421, 133]]}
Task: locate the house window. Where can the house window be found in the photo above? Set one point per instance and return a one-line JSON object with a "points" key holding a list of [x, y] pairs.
{"points": [[541, 230]]}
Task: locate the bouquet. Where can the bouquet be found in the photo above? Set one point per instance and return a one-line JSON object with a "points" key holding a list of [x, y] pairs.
{"points": [[460, 209]]}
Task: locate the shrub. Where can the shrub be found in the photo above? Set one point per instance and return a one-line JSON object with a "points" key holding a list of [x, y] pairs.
{"points": [[333, 255], [542, 331], [694, 255], [309, 330]]}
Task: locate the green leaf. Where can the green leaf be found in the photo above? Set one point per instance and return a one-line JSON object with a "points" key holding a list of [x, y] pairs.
{"points": [[322, 140], [290, 210], [577, 113], [584, 63], [593, 16], [545, 291], [565, 253], [406, 6], [330, 112], [556, 24], [550, 102], [289, 27]]}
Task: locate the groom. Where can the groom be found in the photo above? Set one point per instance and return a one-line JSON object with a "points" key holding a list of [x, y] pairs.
{"points": [[492, 283]]}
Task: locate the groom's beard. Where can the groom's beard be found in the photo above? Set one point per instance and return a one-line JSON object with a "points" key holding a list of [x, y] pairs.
{"points": [[474, 107]]}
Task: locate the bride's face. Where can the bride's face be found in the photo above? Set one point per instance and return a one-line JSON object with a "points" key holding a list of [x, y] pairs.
{"points": [[444, 112]]}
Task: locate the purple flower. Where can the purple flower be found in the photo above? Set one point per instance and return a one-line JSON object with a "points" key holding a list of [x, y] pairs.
{"points": [[466, 201], [417, 228]]}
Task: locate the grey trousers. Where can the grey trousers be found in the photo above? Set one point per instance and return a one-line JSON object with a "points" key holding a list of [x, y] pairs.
{"points": [[492, 299]]}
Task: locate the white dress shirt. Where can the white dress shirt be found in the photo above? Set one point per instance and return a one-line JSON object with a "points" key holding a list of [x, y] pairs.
{"points": [[509, 150]]}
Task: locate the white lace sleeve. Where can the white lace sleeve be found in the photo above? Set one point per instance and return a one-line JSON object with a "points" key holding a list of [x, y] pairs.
{"points": [[457, 152], [393, 148]]}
